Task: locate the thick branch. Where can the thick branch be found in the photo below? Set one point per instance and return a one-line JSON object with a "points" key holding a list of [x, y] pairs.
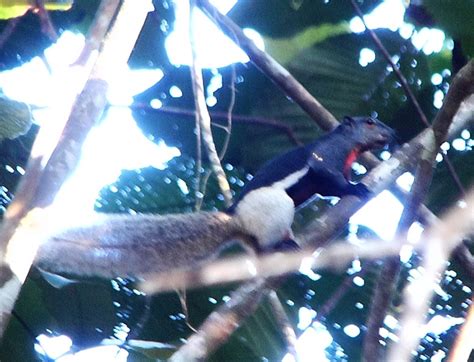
{"points": [[272, 69], [86, 110]]}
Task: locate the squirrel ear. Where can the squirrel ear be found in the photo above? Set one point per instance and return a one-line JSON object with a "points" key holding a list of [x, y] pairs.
{"points": [[348, 121]]}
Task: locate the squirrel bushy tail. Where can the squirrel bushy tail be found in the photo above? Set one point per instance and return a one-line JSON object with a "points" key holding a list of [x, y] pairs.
{"points": [[134, 245]]}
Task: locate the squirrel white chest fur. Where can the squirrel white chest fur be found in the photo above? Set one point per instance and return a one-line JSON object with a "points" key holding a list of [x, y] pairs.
{"points": [[267, 214]]}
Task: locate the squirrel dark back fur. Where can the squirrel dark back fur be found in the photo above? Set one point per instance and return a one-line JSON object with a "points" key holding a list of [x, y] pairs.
{"points": [[353, 136]]}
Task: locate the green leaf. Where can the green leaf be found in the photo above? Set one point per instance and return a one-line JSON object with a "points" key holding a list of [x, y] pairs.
{"points": [[285, 49], [285, 18], [15, 118], [151, 349], [15, 8]]}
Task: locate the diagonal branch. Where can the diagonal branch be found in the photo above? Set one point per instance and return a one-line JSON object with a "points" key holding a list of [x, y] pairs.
{"points": [[435, 255], [47, 26], [283, 322], [290, 86], [203, 116], [271, 68], [97, 31], [462, 349], [45, 175], [437, 243], [8, 31], [321, 230], [408, 92]]}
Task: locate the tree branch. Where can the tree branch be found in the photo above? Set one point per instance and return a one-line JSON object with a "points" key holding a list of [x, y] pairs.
{"points": [[289, 85], [436, 245], [462, 348], [284, 323], [335, 218], [236, 118], [203, 115], [271, 68], [435, 256], [98, 29], [8, 31], [29, 196], [47, 26], [408, 92]]}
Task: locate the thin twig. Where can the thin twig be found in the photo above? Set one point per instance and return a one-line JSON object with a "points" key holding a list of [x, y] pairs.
{"points": [[284, 323], [184, 306], [336, 297], [140, 325], [408, 92], [230, 109], [464, 257], [228, 131], [236, 118], [47, 26], [203, 115]]}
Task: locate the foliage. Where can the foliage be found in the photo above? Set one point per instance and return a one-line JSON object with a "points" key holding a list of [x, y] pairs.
{"points": [[313, 40]]}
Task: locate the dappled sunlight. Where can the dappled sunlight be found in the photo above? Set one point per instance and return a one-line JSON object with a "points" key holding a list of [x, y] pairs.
{"points": [[105, 152], [388, 15], [116, 144], [312, 344], [214, 49], [380, 214]]}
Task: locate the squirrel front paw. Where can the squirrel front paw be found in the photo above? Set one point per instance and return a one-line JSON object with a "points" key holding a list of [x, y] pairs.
{"points": [[286, 245], [360, 190]]}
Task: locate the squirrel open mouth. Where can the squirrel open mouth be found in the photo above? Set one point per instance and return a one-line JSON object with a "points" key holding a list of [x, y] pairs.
{"points": [[382, 141]]}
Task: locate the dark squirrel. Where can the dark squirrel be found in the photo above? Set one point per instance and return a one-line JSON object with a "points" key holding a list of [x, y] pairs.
{"points": [[126, 245]]}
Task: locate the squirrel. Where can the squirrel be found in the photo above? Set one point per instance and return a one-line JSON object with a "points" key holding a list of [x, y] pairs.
{"points": [[261, 216]]}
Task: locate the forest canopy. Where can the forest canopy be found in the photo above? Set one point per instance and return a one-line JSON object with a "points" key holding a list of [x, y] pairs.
{"points": [[102, 110]]}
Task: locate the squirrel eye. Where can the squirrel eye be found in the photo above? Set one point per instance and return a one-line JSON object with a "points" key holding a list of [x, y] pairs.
{"points": [[370, 121]]}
